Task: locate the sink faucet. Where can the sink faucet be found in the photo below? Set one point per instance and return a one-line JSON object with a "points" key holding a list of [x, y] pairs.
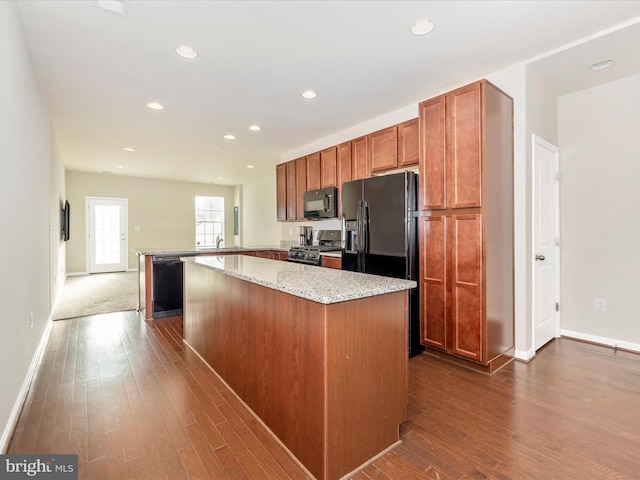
{"points": [[219, 240]]}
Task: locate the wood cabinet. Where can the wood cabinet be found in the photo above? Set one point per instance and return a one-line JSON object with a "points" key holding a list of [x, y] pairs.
{"points": [[313, 171], [292, 207], [359, 158], [408, 144], [387, 149], [331, 262], [451, 149], [281, 192], [343, 169], [301, 187], [383, 150], [328, 167], [466, 227]]}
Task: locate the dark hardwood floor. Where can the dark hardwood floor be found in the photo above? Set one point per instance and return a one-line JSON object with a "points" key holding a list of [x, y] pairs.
{"points": [[134, 403]]}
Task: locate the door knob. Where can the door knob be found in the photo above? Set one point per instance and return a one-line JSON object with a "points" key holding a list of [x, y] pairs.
{"points": [[540, 258]]}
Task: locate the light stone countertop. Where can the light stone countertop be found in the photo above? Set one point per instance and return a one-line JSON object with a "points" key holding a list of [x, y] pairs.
{"points": [[322, 285], [203, 251]]}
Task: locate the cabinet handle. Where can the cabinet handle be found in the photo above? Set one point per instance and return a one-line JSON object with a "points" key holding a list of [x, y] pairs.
{"points": [[540, 258]]}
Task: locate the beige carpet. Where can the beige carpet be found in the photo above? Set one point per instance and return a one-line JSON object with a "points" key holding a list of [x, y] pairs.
{"points": [[96, 294]]}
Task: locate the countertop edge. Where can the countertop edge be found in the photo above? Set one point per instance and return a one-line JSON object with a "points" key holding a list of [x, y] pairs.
{"points": [[338, 285]]}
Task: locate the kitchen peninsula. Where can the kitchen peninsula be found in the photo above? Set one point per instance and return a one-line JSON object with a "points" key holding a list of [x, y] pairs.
{"points": [[163, 296], [319, 355]]}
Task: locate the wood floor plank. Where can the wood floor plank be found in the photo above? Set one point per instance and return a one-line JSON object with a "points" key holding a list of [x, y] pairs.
{"points": [[134, 402]]}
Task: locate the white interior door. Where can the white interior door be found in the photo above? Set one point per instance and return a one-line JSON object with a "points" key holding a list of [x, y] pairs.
{"points": [[546, 240], [106, 235]]}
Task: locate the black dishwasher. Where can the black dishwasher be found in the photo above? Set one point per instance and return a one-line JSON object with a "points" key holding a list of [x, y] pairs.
{"points": [[167, 286]]}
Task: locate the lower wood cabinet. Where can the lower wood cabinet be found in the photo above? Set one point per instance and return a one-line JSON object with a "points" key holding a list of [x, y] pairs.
{"points": [[332, 262], [466, 290]]}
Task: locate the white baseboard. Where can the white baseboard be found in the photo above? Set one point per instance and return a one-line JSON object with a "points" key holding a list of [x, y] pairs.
{"points": [[76, 274], [24, 390], [609, 342], [525, 355]]}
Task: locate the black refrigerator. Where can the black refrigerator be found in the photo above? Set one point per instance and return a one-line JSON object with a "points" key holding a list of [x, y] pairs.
{"points": [[380, 234]]}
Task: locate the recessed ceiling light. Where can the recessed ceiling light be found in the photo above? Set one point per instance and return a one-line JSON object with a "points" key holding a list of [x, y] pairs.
{"points": [[119, 166], [155, 106], [129, 149], [116, 6], [219, 178], [309, 94], [185, 51], [601, 65], [229, 137], [255, 128], [422, 27], [249, 166]]}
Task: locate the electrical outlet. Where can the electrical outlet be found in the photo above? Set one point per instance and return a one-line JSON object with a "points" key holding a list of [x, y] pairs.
{"points": [[31, 320], [600, 304]]}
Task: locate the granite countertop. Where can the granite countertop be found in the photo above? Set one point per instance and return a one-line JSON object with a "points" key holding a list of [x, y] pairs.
{"points": [[200, 251], [322, 285]]}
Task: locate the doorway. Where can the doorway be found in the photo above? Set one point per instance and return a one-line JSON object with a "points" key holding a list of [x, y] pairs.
{"points": [[106, 234], [546, 241]]}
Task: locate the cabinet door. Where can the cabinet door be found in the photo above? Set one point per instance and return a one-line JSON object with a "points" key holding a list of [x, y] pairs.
{"points": [[313, 171], [432, 140], [343, 170], [359, 159], [433, 281], [291, 190], [301, 186], [383, 150], [464, 269], [331, 262], [328, 167], [408, 143], [281, 192], [464, 147]]}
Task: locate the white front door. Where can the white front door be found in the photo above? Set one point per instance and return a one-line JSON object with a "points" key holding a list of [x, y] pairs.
{"points": [[545, 242], [106, 234]]}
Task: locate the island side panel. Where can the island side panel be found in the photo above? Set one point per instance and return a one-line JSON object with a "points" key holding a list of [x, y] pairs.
{"points": [[367, 378], [269, 347]]}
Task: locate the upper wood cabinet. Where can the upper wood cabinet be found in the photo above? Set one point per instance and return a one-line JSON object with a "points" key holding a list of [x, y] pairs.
{"points": [[292, 208], [408, 143], [328, 168], [359, 158], [344, 172], [313, 171], [281, 192], [451, 149], [383, 150], [301, 187]]}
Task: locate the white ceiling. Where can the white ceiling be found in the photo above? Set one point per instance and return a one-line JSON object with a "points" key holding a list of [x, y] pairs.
{"points": [[98, 71]]}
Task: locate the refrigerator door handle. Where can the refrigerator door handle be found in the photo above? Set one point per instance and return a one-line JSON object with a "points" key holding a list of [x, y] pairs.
{"points": [[358, 227], [365, 227]]}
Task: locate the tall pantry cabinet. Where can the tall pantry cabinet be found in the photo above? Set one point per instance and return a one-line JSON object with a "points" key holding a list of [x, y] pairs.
{"points": [[466, 225]]}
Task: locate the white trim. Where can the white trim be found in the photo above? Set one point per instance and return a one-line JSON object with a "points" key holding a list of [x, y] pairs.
{"points": [[525, 356], [26, 384], [608, 342]]}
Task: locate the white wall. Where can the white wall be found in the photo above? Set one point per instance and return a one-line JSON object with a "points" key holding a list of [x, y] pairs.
{"points": [[259, 225], [600, 211], [25, 156], [163, 211]]}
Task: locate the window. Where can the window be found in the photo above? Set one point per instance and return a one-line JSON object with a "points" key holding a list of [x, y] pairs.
{"points": [[209, 220]]}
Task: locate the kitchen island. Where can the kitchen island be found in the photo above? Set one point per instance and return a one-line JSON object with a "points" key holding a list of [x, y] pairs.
{"points": [[319, 355]]}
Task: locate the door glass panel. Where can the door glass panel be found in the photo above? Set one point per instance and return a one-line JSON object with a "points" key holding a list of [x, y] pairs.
{"points": [[107, 234]]}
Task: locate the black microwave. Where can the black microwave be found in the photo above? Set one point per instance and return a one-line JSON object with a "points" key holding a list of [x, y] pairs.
{"points": [[321, 203]]}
